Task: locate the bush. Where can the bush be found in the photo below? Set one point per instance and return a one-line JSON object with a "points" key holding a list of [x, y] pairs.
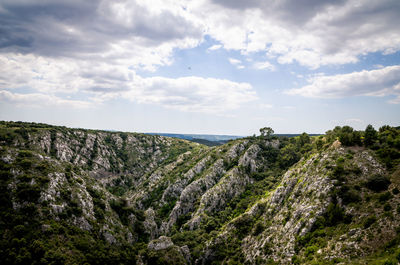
{"points": [[369, 221], [385, 197], [310, 250], [387, 207], [25, 164], [335, 215], [377, 183], [349, 195], [258, 228]]}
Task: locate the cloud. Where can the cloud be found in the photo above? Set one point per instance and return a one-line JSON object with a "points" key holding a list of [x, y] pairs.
{"points": [[215, 47], [52, 75], [102, 82], [96, 48], [311, 32], [194, 94], [139, 33], [236, 62], [264, 66], [41, 100], [380, 82], [144, 34]]}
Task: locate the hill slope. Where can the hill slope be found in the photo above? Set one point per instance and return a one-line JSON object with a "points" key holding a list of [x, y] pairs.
{"points": [[76, 196]]}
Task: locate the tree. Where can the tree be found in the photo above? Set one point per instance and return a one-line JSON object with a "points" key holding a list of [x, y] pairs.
{"points": [[370, 135], [266, 131], [304, 138]]}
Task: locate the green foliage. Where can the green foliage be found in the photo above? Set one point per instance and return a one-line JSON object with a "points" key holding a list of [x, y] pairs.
{"points": [[335, 215], [387, 207], [26, 239], [243, 225], [124, 211], [266, 132], [53, 136], [349, 194], [164, 257], [370, 135], [346, 135], [258, 228], [377, 183], [98, 203], [288, 156], [369, 221], [383, 197]]}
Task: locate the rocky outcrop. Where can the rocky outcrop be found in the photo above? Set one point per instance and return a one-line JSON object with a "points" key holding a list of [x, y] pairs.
{"points": [[193, 192], [161, 243]]}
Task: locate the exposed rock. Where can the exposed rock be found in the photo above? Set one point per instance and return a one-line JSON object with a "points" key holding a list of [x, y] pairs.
{"points": [[150, 224], [163, 242], [186, 253]]}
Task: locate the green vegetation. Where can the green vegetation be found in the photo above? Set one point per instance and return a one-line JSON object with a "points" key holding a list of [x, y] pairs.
{"points": [[75, 196]]}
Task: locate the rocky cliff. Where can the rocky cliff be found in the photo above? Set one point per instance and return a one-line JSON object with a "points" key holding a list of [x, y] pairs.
{"points": [[76, 196]]}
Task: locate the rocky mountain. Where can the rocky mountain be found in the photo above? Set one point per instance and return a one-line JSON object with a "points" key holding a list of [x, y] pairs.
{"points": [[75, 196]]}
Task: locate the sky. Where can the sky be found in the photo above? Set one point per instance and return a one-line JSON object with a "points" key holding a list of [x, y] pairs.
{"points": [[201, 66]]}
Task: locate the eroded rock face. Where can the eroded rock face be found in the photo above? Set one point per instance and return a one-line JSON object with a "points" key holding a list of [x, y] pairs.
{"points": [[163, 242], [150, 224], [193, 192], [291, 210], [185, 192], [174, 190]]}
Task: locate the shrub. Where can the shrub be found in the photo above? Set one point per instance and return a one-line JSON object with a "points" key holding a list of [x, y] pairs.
{"points": [[369, 221], [387, 207], [310, 250], [338, 172], [258, 228], [25, 164], [377, 183], [335, 215], [385, 196], [349, 195]]}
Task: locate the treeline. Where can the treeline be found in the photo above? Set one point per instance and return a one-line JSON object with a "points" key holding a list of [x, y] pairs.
{"points": [[385, 141]]}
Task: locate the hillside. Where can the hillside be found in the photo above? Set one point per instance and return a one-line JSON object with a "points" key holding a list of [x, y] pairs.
{"points": [[75, 196]]}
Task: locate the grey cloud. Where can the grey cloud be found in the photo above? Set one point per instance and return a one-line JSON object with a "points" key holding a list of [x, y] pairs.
{"points": [[84, 28], [288, 11]]}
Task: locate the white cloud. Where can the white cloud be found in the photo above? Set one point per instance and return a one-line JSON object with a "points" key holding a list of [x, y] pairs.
{"points": [[95, 48], [312, 33], [102, 82], [41, 100], [215, 47], [236, 62], [380, 82], [264, 66], [144, 34], [195, 94]]}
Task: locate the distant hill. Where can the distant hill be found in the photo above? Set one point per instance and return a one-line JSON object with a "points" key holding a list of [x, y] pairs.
{"points": [[215, 139], [208, 137]]}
